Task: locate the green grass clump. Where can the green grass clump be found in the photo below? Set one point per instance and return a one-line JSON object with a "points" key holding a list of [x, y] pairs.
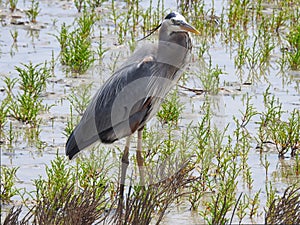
{"points": [[8, 180], [273, 129], [13, 5], [285, 209], [3, 113], [80, 98], [61, 177], [34, 11], [27, 104], [210, 78], [294, 53], [171, 109], [83, 4], [76, 46], [59, 180]]}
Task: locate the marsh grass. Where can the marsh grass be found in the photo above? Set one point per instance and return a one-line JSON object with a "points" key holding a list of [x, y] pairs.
{"points": [[80, 4], [293, 54], [13, 217], [243, 139], [171, 109], [33, 11], [83, 208], [224, 184], [201, 134], [80, 97], [210, 78], [71, 193], [27, 104], [83, 5], [285, 209], [221, 155], [142, 203], [8, 180], [76, 45], [13, 5], [59, 180], [14, 34], [72, 121], [273, 129], [101, 50], [3, 114]]}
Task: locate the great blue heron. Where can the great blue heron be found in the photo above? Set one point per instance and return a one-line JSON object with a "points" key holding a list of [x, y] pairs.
{"points": [[133, 94]]}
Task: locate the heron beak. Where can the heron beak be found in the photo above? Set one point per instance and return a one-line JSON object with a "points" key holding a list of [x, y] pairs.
{"points": [[189, 28]]}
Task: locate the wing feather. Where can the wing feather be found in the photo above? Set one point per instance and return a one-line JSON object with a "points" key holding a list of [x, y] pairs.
{"points": [[129, 98]]}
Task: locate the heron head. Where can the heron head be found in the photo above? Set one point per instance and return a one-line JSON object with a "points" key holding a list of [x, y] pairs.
{"points": [[175, 22]]}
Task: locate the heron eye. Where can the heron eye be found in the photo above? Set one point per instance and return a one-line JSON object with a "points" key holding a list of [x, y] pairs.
{"points": [[175, 22]]}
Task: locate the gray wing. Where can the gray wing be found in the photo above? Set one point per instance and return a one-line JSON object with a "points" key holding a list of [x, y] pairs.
{"points": [[124, 103]]}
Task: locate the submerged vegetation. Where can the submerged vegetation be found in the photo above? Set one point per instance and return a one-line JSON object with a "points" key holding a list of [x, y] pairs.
{"points": [[227, 117]]}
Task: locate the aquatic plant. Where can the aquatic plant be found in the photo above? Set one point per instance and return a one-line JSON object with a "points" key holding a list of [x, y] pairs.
{"points": [[79, 100], [8, 180], [100, 50], [224, 184], [201, 135], [27, 104], [76, 52], [72, 121], [64, 185], [285, 209], [294, 49], [252, 34], [80, 97], [13, 215], [209, 77], [33, 11], [80, 4], [14, 34], [286, 134], [59, 180], [149, 204], [243, 138], [171, 109], [3, 114], [13, 5], [241, 208], [95, 3], [283, 134], [254, 205], [70, 189], [83, 208]]}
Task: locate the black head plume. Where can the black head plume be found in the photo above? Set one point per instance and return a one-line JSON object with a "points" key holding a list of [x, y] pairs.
{"points": [[151, 32], [170, 15]]}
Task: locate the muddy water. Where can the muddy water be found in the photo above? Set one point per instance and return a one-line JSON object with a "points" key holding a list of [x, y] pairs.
{"points": [[37, 44]]}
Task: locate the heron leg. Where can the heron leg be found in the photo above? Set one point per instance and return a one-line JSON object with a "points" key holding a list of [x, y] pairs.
{"points": [[139, 157], [125, 163]]}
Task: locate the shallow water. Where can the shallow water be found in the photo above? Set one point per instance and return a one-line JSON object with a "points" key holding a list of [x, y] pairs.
{"points": [[36, 44]]}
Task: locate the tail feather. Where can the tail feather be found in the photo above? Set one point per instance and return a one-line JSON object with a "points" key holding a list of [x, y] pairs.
{"points": [[71, 147], [75, 144], [81, 138]]}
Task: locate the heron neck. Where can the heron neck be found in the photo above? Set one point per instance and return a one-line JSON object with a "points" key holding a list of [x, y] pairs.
{"points": [[179, 38], [173, 49]]}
